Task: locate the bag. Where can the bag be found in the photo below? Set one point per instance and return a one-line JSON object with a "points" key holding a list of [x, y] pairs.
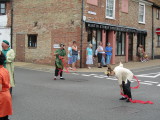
{"points": [[78, 56], [96, 52]]}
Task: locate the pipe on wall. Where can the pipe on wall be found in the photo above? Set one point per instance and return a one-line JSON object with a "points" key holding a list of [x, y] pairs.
{"points": [[82, 13]]}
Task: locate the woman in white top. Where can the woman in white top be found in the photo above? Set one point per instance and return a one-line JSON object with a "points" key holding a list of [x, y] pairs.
{"points": [[100, 52], [124, 76]]}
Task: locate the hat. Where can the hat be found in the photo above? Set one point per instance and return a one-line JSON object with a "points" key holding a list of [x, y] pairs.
{"points": [[5, 41], [109, 70], [61, 44]]}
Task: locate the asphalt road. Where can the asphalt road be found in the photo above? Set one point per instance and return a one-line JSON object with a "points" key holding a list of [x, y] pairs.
{"points": [[83, 96]]}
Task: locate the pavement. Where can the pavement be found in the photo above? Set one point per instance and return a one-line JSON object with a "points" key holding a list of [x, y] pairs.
{"points": [[49, 68]]}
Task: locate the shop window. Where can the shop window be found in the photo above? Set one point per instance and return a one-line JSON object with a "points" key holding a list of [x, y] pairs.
{"points": [[32, 41], [120, 43], [158, 43], [2, 8], [94, 37], [110, 9], [141, 13]]}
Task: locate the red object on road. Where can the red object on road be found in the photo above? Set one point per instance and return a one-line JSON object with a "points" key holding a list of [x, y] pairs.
{"points": [[136, 101]]}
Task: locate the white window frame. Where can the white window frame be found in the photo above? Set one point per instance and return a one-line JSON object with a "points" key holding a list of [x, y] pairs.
{"points": [[143, 22], [157, 14], [113, 17]]}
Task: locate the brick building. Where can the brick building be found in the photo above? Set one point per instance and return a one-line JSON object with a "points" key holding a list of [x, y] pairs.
{"points": [[40, 25], [5, 21]]}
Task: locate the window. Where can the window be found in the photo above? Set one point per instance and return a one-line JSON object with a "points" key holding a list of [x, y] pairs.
{"points": [[157, 14], [110, 9], [158, 43], [2, 8], [120, 41], [141, 13], [32, 40]]}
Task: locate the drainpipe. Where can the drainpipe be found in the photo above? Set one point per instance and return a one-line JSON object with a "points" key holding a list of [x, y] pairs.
{"points": [[82, 10], [11, 23], [152, 33]]}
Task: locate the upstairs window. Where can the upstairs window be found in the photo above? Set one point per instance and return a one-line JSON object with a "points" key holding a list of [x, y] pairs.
{"points": [[141, 13], [2, 8], [32, 41], [157, 14], [110, 9]]}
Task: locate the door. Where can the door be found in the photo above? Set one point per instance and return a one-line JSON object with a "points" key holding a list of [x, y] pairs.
{"points": [[130, 47], [20, 47]]}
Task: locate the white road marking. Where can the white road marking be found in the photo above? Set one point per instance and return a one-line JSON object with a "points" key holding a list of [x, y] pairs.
{"points": [[75, 73], [133, 80], [151, 82], [111, 78], [150, 75], [85, 75], [98, 76], [146, 83]]}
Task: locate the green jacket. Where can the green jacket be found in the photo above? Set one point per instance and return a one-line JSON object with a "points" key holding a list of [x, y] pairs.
{"points": [[58, 61]]}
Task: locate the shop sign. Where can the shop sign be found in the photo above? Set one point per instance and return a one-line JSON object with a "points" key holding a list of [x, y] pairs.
{"points": [[158, 31], [56, 46], [91, 12]]}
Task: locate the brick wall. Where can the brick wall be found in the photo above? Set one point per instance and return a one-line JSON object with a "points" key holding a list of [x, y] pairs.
{"points": [[156, 25], [100, 12], [131, 19], [57, 21]]}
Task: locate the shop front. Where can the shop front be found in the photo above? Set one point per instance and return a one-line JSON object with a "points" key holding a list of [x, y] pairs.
{"points": [[121, 39]]}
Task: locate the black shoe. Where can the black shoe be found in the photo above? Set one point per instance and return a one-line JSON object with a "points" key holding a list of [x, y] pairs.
{"points": [[104, 65], [99, 67], [122, 98], [62, 78], [127, 100]]}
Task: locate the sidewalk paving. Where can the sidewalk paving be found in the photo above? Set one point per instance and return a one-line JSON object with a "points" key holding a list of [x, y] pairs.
{"points": [[49, 68]]}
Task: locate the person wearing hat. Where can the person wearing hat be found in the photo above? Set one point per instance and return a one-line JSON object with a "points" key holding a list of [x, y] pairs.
{"points": [[108, 51], [8, 64], [5, 96], [124, 76], [59, 65]]}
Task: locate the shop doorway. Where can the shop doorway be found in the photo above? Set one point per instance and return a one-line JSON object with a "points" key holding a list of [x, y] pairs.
{"points": [[20, 47]]}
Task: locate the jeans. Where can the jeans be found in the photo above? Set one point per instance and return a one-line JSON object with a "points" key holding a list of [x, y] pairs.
{"points": [[108, 59]]}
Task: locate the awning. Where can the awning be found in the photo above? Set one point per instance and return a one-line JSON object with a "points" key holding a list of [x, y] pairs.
{"points": [[105, 26], [5, 0]]}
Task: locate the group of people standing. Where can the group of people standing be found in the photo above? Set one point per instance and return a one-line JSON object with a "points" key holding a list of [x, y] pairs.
{"points": [[104, 55], [7, 56]]}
